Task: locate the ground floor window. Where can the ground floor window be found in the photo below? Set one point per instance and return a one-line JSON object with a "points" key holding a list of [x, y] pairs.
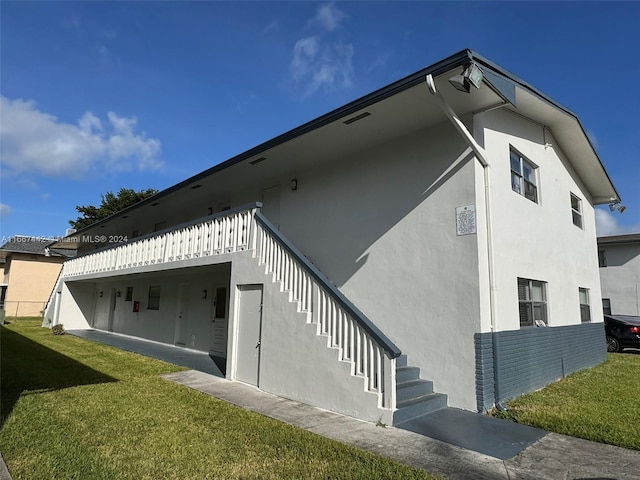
{"points": [[606, 306], [154, 298], [532, 298], [585, 309]]}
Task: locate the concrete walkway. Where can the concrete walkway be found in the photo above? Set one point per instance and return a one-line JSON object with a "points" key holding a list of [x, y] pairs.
{"points": [[552, 457]]}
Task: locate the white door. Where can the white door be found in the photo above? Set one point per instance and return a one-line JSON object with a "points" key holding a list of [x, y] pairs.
{"points": [[182, 317], [219, 323], [249, 332], [271, 204]]}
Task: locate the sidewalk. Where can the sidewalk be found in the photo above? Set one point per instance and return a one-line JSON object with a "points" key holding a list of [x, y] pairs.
{"points": [[552, 457]]}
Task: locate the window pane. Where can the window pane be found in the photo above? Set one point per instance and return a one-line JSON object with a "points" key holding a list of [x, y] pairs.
{"points": [[526, 315], [540, 312], [575, 203], [515, 183], [528, 172], [577, 219], [515, 162], [531, 192], [537, 292], [606, 306], [523, 289], [585, 313], [584, 296], [154, 298], [602, 258]]}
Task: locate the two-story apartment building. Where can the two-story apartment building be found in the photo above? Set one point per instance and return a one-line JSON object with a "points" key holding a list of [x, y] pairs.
{"points": [[427, 244], [619, 260]]}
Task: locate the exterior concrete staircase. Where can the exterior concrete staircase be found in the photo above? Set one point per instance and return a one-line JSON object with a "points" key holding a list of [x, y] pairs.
{"points": [[414, 396]]}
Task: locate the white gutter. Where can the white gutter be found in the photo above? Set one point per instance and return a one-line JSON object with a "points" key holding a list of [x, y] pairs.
{"points": [[482, 159]]}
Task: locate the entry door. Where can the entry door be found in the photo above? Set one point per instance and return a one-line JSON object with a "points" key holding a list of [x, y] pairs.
{"points": [[219, 323], [249, 334], [182, 317], [271, 204]]}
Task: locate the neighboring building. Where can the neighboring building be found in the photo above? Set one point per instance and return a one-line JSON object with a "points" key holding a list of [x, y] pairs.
{"points": [[619, 260], [31, 269], [451, 224]]}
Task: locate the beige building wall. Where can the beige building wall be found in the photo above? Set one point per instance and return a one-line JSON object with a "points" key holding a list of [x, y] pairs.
{"points": [[30, 279]]}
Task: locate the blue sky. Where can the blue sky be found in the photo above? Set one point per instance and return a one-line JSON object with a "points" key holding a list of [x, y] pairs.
{"points": [[98, 96]]}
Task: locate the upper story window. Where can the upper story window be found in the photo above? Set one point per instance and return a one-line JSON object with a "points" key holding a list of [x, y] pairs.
{"points": [[606, 306], [576, 210], [585, 309], [602, 258], [532, 299], [523, 176]]}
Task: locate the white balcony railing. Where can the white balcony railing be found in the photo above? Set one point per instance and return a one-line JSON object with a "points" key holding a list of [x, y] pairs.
{"points": [[358, 341]]}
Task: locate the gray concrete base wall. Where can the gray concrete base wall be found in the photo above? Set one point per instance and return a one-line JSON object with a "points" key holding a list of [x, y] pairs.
{"points": [[531, 358]]}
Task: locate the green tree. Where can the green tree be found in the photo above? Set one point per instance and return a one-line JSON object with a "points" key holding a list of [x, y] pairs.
{"points": [[110, 204]]}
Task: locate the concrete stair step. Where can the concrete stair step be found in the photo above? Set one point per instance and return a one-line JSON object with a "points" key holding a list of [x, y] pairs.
{"points": [[413, 389], [401, 361], [406, 374], [418, 406]]}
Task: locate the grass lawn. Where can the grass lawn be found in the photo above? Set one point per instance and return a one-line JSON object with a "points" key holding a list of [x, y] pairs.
{"points": [[74, 409], [600, 404]]}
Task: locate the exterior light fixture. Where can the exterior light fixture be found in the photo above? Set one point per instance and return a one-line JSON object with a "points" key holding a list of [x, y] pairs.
{"points": [[294, 184], [101, 293], [617, 206], [118, 293], [472, 75], [204, 294]]}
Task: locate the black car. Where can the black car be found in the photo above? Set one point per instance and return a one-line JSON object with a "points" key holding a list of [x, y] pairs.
{"points": [[623, 331]]}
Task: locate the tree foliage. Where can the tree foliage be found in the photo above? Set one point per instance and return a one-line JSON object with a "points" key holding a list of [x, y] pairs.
{"points": [[110, 204]]}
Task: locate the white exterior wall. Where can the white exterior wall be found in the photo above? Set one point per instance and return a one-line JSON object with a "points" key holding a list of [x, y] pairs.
{"points": [[621, 278], [381, 225], [535, 240]]}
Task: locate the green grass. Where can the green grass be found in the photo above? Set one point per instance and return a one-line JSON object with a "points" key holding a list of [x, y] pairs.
{"points": [[600, 404], [74, 409]]}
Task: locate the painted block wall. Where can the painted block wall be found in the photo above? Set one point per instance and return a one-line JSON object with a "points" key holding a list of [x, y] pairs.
{"points": [[536, 240], [531, 358], [621, 278]]}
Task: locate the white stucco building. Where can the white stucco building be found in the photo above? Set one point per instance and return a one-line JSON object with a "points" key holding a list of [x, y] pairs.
{"points": [[427, 244], [619, 260]]}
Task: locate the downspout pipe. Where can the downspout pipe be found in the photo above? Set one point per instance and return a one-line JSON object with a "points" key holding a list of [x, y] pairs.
{"points": [[483, 160]]}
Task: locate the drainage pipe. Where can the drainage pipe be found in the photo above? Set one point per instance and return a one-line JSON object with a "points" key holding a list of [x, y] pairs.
{"points": [[486, 167]]}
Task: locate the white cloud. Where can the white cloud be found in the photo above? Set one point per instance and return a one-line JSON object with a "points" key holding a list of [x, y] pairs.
{"points": [[316, 65], [322, 60], [329, 16], [37, 142], [607, 224], [4, 210]]}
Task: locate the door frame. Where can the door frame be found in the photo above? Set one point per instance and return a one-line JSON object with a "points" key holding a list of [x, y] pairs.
{"points": [[239, 288]]}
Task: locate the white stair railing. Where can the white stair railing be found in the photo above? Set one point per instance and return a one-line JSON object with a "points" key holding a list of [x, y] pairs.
{"points": [[358, 341]]}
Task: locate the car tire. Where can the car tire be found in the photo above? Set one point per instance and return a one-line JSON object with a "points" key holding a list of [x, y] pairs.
{"points": [[612, 344]]}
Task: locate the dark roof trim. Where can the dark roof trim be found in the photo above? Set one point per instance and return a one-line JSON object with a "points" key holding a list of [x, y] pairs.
{"points": [[497, 68], [619, 239], [459, 59]]}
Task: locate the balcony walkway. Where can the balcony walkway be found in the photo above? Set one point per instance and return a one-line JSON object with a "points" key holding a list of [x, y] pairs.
{"points": [[193, 359]]}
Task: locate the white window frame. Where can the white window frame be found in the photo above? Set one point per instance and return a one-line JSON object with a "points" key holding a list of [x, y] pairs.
{"points": [[585, 305], [521, 183], [576, 210], [537, 308]]}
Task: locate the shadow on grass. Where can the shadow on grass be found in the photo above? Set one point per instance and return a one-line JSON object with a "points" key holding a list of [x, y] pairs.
{"points": [[29, 367]]}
